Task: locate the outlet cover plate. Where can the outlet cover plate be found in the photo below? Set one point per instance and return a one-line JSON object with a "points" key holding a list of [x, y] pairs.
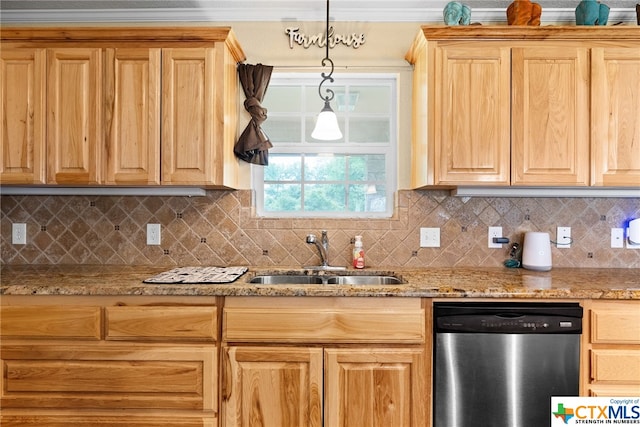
{"points": [[494, 232], [19, 234], [429, 237], [563, 237], [153, 234]]}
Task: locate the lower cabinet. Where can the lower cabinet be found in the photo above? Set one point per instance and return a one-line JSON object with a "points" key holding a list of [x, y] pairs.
{"points": [[324, 361], [612, 348], [102, 361]]}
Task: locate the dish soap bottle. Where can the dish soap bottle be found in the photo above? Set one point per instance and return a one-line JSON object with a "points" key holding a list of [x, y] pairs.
{"points": [[358, 253]]}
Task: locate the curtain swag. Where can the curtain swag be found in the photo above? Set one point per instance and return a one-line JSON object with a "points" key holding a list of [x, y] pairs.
{"points": [[253, 144]]}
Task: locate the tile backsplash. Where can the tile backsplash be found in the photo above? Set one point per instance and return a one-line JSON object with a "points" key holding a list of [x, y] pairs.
{"points": [[222, 229]]}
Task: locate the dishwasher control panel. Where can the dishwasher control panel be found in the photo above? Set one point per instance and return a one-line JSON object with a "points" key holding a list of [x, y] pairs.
{"points": [[494, 318]]}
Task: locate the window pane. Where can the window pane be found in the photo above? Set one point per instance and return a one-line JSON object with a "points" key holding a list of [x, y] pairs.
{"points": [[363, 129], [283, 99], [283, 129], [283, 167], [367, 167], [324, 198], [369, 100], [324, 168], [349, 177], [282, 197]]}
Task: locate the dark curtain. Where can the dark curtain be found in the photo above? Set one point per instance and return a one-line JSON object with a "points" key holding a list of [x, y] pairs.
{"points": [[253, 145]]}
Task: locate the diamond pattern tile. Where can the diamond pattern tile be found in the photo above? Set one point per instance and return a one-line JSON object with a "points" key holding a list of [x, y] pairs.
{"points": [[221, 229]]}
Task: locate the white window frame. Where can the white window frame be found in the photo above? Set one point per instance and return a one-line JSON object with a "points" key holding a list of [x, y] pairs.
{"points": [[390, 150]]}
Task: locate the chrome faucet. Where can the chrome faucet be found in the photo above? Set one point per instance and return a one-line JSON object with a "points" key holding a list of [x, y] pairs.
{"points": [[323, 247]]}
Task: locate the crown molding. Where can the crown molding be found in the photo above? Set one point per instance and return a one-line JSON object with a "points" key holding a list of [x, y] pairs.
{"points": [[234, 14]]}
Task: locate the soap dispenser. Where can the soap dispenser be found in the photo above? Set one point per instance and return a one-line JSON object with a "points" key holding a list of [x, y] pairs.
{"points": [[358, 253]]}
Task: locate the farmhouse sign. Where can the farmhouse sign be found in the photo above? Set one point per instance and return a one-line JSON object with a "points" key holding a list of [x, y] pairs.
{"points": [[296, 37]]}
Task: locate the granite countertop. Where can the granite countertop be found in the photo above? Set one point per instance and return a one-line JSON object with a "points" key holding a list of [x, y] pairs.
{"points": [[583, 283]]}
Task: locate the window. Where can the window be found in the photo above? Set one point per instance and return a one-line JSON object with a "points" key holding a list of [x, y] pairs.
{"points": [[351, 177]]}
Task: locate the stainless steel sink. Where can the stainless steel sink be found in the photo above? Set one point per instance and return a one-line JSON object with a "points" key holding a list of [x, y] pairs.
{"points": [[297, 279], [285, 279], [363, 280]]}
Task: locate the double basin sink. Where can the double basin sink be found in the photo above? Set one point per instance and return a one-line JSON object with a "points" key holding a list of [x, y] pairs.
{"points": [[302, 279]]}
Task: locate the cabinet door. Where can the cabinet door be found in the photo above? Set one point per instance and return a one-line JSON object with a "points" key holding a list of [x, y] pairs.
{"points": [[74, 108], [471, 129], [375, 387], [22, 109], [132, 116], [615, 116], [188, 116], [272, 387], [550, 129]]}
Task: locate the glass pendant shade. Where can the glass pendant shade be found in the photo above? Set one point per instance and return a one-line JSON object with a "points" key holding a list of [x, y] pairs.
{"points": [[327, 128]]}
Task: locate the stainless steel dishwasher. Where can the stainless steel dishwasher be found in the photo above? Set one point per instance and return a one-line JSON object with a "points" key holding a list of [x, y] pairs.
{"points": [[498, 364]]}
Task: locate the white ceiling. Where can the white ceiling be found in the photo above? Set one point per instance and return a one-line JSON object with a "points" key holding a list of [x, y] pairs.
{"points": [[277, 10]]}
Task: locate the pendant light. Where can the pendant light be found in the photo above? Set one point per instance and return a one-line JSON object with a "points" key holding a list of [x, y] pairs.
{"points": [[327, 128]]}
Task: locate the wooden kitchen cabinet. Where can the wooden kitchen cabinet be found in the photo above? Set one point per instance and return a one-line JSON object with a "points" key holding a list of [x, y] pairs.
{"points": [[615, 119], [109, 361], [132, 115], [499, 105], [611, 354], [351, 361], [23, 113], [125, 106], [74, 121]]}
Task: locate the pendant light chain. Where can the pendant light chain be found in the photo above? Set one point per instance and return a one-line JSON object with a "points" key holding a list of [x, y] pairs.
{"points": [[330, 94]]}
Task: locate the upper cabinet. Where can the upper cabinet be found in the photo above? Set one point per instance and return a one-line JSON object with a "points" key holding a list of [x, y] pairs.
{"points": [[526, 106], [22, 108], [119, 106], [615, 115]]}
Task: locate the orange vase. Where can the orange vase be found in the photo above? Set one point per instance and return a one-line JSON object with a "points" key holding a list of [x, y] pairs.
{"points": [[524, 12]]}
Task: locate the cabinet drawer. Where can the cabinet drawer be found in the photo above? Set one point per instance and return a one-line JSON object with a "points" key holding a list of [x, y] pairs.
{"points": [[615, 391], [51, 322], [324, 320], [161, 322], [615, 366], [103, 376], [129, 420], [615, 323]]}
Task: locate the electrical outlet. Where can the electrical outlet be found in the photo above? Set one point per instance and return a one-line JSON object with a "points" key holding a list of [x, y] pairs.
{"points": [[429, 237], [563, 237], [19, 234], [153, 234], [617, 237], [494, 232]]}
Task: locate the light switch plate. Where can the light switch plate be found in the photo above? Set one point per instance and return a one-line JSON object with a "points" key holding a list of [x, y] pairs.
{"points": [[429, 237]]}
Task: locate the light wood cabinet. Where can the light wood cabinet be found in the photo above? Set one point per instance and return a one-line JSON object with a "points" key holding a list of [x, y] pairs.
{"points": [[615, 121], [23, 113], [74, 121], [109, 361], [124, 106], [611, 354], [550, 115], [132, 115], [524, 106], [295, 361]]}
